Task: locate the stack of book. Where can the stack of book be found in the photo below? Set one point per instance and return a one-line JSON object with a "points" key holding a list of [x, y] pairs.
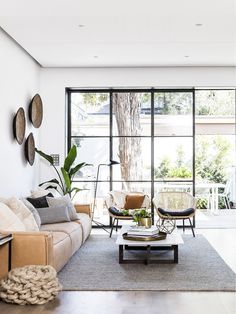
{"points": [[142, 231], [5, 238]]}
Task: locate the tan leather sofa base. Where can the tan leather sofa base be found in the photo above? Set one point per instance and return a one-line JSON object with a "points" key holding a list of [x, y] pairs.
{"points": [[53, 245]]}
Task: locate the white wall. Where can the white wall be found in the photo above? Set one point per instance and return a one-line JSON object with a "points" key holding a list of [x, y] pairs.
{"points": [[19, 81], [21, 78], [54, 81]]}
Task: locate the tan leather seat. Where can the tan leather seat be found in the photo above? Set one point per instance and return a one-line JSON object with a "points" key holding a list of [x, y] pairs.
{"points": [[72, 229], [86, 224], [53, 245], [62, 249]]}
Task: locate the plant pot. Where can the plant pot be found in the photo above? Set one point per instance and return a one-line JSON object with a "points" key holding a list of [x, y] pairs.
{"points": [[145, 222]]}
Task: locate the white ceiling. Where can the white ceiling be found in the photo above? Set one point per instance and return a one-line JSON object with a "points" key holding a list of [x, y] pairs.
{"points": [[123, 32]]}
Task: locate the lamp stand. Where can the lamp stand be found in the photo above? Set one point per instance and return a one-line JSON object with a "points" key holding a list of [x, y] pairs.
{"points": [[94, 200], [112, 163]]}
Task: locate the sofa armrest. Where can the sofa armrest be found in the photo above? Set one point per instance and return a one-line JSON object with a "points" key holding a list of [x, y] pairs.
{"points": [[83, 208], [28, 248], [32, 248]]}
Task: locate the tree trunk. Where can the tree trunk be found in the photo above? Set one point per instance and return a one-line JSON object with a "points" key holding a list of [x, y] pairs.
{"points": [[126, 108]]}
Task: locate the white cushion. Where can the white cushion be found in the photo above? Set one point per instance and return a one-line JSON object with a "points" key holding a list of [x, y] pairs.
{"points": [[39, 192], [23, 213], [119, 198], [33, 211], [8, 220]]}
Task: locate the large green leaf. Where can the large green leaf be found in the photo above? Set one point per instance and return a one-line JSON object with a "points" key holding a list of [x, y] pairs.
{"points": [[45, 156], [70, 158], [66, 179]]}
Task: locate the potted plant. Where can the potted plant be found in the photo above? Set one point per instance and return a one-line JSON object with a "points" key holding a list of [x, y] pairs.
{"points": [[143, 218], [63, 183]]}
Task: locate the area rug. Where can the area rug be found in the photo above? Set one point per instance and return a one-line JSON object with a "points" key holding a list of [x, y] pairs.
{"points": [[95, 267]]}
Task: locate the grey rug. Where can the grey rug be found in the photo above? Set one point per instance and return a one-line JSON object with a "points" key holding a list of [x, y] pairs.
{"points": [[95, 267]]}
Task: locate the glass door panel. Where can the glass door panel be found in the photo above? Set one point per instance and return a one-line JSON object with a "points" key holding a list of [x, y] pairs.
{"points": [[173, 159], [173, 113], [215, 155]]}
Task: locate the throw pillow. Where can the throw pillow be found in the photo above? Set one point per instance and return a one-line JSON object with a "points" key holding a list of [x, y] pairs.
{"points": [[65, 201], [23, 213], [134, 201], [33, 211], [119, 198], [53, 214], [8, 220], [39, 192], [39, 202], [117, 212]]}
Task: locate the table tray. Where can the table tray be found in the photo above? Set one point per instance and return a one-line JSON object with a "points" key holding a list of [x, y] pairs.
{"points": [[156, 237]]}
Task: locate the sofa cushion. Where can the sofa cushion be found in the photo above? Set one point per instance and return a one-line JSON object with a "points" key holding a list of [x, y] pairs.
{"points": [[72, 229], [62, 249], [176, 213], [23, 213], [117, 212], [33, 211], [119, 198], [8, 220], [66, 201], [39, 192], [66, 227], [39, 202], [133, 201], [58, 237], [56, 214], [76, 239], [86, 224]]}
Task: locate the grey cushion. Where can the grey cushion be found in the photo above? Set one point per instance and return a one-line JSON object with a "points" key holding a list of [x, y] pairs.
{"points": [[33, 211], [66, 201], [50, 215]]}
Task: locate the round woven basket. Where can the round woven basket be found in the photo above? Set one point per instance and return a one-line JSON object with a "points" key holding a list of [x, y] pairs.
{"points": [[34, 284]]}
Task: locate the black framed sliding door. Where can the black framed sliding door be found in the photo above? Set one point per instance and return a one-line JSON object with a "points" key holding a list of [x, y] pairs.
{"points": [[150, 132]]}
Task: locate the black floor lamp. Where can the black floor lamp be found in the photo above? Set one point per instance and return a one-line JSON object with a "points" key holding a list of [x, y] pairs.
{"points": [[111, 163]]}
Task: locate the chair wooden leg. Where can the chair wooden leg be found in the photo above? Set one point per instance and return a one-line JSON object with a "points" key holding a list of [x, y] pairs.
{"points": [[183, 226], [112, 226], [117, 221], [191, 226]]}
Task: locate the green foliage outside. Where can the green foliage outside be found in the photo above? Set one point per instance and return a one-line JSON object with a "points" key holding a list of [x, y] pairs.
{"points": [[212, 160], [173, 103], [181, 168], [215, 103], [94, 99]]}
